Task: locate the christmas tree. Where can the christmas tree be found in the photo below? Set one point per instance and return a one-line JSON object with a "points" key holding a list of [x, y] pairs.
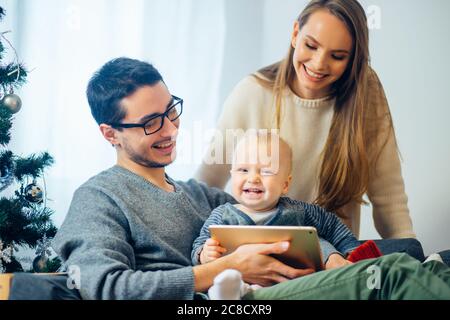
{"points": [[25, 220]]}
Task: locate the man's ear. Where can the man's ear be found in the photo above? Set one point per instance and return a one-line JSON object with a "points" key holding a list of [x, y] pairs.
{"points": [[287, 183], [109, 134], [294, 35]]}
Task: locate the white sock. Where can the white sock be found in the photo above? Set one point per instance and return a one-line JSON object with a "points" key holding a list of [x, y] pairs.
{"points": [[434, 257], [246, 288], [228, 285]]}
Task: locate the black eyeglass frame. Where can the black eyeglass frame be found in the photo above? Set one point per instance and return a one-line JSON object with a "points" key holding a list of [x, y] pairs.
{"points": [[178, 101]]}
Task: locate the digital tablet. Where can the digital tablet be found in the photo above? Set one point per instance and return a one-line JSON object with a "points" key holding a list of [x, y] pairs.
{"points": [[303, 252]]}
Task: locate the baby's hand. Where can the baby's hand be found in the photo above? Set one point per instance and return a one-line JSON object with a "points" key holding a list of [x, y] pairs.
{"points": [[211, 251]]}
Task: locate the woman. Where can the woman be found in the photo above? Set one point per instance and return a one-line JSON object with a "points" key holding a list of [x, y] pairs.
{"points": [[331, 108]]}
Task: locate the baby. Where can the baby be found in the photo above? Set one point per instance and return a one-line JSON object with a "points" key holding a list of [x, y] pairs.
{"points": [[261, 176]]}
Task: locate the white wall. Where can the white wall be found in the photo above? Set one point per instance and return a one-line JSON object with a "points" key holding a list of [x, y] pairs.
{"points": [[410, 54]]}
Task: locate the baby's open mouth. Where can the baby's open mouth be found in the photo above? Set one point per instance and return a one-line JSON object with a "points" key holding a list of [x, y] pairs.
{"points": [[253, 190]]}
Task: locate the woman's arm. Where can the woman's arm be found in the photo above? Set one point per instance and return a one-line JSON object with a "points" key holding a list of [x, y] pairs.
{"points": [[386, 189]]}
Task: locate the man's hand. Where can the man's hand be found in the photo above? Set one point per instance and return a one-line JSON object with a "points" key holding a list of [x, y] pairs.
{"points": [[211, 251], [336, 261], [257, 267]]}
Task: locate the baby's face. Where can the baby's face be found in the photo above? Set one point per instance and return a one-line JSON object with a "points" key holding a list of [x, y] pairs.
{"points": [[260, 176]]}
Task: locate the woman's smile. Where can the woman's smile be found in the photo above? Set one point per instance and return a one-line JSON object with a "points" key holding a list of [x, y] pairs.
{"points": [[313, 76]]}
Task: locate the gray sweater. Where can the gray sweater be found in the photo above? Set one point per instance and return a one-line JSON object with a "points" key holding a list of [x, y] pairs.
{"points": [[131, 239]]}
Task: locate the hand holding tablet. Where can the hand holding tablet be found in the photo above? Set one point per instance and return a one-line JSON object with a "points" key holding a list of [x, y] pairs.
{"points": [[303, 252]]}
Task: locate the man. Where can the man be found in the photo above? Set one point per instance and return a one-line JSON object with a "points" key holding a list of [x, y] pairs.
{"points": [[130, 228]]}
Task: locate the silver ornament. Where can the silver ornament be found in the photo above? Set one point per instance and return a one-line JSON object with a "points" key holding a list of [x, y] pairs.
{"points": [[12, 102]]}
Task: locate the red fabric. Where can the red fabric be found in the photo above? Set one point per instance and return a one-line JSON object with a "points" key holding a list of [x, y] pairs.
{"points": [[367, 250]]}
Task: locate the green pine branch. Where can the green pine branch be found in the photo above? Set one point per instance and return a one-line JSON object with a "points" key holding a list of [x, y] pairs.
{"points": [[32, 166], [2, 50], [12, 221], [24, 227], [13, 75], [5, 125], [6, 161], [13, 266], [3, 215]]}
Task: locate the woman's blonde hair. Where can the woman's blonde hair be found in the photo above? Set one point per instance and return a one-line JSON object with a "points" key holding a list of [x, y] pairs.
{"points": [[344, 173]]}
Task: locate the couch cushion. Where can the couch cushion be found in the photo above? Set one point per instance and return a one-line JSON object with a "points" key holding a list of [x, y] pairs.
{"points": [[29, 286]]}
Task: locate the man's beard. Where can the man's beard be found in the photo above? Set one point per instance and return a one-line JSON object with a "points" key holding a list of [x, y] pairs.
{"points": [[139, 159]]}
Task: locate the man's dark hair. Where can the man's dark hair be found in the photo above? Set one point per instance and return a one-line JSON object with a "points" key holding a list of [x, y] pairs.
{"points": [[117, 79]]}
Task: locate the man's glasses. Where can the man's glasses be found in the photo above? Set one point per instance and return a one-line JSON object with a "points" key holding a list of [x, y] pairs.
{"points": [[154, 124]]}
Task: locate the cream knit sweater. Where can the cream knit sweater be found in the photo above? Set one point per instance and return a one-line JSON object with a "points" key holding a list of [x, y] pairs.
{"points": [[305, 125]]}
